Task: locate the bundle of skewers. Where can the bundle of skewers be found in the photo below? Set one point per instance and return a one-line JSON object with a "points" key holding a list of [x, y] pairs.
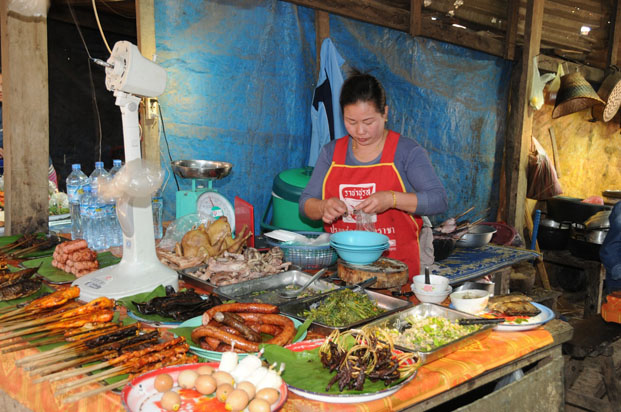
{"points": [[86, 334], [27, 244]]}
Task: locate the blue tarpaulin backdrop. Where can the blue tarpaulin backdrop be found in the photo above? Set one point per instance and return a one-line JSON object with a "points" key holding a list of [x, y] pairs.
{"points": [[241, 75]]}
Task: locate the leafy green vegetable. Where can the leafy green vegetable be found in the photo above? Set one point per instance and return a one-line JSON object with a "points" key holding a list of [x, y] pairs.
{"points": [[343, 308]]}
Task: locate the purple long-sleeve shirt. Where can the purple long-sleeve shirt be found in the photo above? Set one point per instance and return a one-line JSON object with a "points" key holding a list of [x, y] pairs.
{"points": [[413, 165]]}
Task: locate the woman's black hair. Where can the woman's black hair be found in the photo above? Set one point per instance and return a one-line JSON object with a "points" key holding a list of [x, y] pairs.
{"points": [[362, 87]]}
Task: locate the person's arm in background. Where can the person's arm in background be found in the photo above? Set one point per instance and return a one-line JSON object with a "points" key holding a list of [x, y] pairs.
{"points": [[610, 251]]}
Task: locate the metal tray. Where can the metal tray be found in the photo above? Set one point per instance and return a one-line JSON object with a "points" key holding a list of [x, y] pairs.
{"points": [[427, 310], [187, 275], [265, 289], [388, 303]]}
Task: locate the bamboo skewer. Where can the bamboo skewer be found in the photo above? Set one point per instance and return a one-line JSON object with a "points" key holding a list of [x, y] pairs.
{"points": [[8, 308], [45, 370], [29, 345], [35, 322], [73, 372], [119, 370], [96, 391], [46, 354]]}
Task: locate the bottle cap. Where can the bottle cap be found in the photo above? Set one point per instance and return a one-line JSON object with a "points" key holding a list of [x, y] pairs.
{"points": [[75, 166], [98, 164]]}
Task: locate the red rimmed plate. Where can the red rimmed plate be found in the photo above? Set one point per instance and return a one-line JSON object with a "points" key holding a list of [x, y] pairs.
{"points": [[340, 397], [139, 395]]}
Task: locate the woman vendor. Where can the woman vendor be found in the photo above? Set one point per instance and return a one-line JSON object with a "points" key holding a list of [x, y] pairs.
{"points": [[376, 171]]}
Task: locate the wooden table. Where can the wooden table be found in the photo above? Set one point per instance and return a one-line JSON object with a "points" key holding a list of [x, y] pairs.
{"points": [[540, 390]]}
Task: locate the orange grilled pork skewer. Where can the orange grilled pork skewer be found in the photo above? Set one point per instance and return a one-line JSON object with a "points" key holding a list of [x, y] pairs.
{"points": [[93, 306]]}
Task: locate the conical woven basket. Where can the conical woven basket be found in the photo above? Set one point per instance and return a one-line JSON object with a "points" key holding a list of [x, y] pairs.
{"points": [[575, 94]]}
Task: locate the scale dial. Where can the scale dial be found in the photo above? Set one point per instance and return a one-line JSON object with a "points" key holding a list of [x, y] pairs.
{"points": [[212, 205]]}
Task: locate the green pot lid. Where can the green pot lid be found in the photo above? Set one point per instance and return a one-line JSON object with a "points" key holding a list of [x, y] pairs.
{"points": [[289, 184]]}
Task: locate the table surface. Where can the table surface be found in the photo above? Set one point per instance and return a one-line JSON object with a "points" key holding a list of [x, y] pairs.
{"points": [[472, 263]]}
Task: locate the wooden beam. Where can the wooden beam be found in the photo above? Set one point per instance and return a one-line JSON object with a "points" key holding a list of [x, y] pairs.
{"points": [[520, 122], [462, 37], [149, 115], [322, 31], [513, 17], [550, 64], [25, 121], [374, 12], [416, 14], [615, 35]]}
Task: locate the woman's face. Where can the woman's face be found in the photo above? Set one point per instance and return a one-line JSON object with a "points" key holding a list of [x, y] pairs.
{"points": [[364, 123]]}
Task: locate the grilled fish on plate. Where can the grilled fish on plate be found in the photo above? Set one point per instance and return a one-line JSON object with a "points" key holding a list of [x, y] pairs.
{"points": [[513, 305], [21, 289]]}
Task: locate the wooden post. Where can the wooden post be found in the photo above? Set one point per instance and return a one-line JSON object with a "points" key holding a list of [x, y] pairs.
{"points": [[25, 114], [149, 115], [416, 14], [615, 34], [513, 17], [520, 121], [322, 30]]}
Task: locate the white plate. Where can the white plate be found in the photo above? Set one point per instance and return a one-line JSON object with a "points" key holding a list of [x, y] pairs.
{"points": [[533, 322], [216, 356], [54, 218], [285, 235], [140, 396], [340, 398]]}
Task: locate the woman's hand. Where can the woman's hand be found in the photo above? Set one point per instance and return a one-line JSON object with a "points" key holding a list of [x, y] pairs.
{"points": [[377, 203], [332, 209]]}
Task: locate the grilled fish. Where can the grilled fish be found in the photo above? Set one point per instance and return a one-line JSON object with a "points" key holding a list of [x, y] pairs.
{"points": [[21, 289], [513, 305], [12, 278]]}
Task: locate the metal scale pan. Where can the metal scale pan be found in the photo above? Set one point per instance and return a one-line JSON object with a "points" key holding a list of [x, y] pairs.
{"points": [[205, 201]]}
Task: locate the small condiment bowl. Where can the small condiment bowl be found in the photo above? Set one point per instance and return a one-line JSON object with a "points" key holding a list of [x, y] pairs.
{"points": [[437, 283], [471, 301], [433, 297]]}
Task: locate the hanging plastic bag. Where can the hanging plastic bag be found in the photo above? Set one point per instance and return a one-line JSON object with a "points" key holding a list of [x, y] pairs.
{"points": [[542, 179], [365, 221]]}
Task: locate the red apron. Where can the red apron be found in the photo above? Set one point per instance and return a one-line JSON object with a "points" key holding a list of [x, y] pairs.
{"points": [[353, 184]]}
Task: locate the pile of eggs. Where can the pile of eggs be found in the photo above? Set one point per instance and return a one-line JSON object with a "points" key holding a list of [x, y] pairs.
{"points": [[249, 393]]}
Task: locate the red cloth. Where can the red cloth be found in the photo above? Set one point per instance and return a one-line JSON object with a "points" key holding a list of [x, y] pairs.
{"points": [[353, 184]]}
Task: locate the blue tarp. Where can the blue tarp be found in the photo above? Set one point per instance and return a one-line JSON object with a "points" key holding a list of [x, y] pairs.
{"points": [[241, 75]]}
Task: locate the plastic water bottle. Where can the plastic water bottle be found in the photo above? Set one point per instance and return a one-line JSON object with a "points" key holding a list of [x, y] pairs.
{"points": [[116, 166], [101, 231], [75, 187], [157, 204], [116, 238], [99, 224], [85, 204]]}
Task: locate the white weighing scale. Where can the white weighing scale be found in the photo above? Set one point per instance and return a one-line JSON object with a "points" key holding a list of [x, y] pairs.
{"points": [[129, 75], [205, 201]]}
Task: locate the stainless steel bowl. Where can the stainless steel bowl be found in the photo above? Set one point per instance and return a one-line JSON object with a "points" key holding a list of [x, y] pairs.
{"points": [[477, 236], [201, 169]]}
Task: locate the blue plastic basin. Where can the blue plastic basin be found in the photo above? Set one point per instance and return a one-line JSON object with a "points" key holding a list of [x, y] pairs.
{"points": [[359, 238], [359, 257]]}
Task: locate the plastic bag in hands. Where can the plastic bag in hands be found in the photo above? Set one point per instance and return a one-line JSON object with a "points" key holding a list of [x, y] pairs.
{"points": [[364, 221], [179, 227]]}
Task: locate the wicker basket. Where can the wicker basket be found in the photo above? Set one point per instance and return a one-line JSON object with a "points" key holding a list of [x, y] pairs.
{"points": [[307, 257]]}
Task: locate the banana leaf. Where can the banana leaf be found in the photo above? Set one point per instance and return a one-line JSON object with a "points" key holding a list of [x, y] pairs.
{"points": [[57, 276], [127, 301], [304, 370]]}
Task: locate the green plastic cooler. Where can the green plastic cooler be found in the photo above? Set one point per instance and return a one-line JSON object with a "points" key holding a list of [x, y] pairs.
{"points": [[286, 190]]}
